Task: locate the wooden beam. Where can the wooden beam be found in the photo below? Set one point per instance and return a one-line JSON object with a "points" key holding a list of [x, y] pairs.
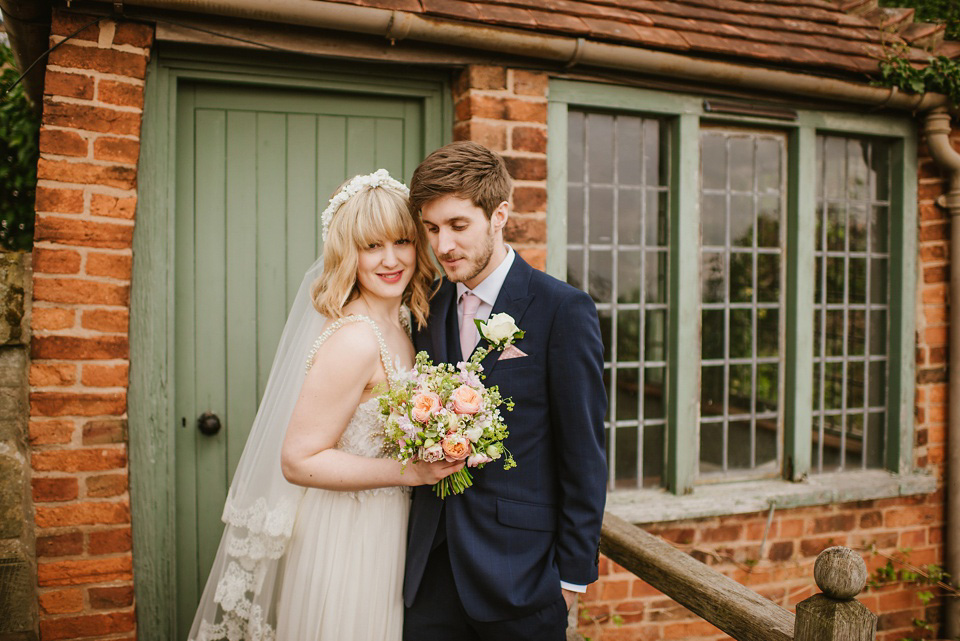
{"points": [[718, 599]]}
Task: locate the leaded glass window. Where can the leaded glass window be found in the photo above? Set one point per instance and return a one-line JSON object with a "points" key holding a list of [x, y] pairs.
{"points": [[742, 203], [617, 197], [851, 303]]}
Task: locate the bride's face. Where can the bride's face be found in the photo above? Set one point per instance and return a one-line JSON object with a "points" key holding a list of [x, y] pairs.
{"points": [[384, 269]]}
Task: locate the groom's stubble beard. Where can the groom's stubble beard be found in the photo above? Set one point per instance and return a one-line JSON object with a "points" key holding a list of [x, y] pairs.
{"points": [[476, 264]]}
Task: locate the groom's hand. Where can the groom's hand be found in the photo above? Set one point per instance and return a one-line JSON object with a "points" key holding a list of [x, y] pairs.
{"points": [[569, 596]]}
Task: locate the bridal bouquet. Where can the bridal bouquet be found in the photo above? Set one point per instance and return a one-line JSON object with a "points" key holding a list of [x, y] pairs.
{"points": [[439, 412]]}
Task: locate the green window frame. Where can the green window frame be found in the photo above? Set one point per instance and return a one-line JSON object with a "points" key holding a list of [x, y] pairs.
{"points": [[685, 115]]}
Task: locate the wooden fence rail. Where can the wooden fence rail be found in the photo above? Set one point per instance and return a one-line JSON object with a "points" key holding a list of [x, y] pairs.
{"points": [[737, 610]]}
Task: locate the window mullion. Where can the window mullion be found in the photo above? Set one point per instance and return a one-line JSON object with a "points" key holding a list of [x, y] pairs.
{"points": [[683, 363], [801, 268]]}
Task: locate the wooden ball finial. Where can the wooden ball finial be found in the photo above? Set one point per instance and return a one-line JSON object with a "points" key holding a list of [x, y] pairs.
{"points": [[840, 573]]}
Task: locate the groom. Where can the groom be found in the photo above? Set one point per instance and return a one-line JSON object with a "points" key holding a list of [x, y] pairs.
{"points": [[505, 559]]}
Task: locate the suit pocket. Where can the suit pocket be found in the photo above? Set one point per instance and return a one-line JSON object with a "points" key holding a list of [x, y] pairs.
{"points": [[527, 516]]}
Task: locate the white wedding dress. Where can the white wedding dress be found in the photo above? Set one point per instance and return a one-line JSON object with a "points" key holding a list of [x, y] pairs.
{"points": [[342, 575]]}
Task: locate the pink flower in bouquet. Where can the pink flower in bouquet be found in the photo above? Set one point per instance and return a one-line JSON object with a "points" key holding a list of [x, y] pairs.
{"points": [[478, 459], [425, 404], [432, 454], [466, 400], [455, 446]]}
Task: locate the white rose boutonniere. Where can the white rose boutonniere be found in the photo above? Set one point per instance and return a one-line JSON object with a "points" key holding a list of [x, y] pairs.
{"points": [[500, 330]]}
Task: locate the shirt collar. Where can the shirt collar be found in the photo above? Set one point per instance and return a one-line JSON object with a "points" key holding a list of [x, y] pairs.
{"points": [[488, 289]]}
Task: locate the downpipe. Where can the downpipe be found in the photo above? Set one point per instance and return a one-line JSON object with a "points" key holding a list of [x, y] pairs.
{"points": [[937, 129]]}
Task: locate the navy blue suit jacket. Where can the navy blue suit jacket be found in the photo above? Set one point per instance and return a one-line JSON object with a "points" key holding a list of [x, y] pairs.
{"points": [[515, 534]]}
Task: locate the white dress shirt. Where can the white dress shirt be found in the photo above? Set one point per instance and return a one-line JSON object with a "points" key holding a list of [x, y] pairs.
{"points": [[487, 291]]}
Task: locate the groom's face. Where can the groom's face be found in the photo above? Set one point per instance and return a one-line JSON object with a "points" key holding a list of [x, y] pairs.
{"points": [[462, 237]]}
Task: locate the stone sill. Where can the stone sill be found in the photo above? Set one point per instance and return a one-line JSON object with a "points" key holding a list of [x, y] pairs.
{"points": [[722, 499]]}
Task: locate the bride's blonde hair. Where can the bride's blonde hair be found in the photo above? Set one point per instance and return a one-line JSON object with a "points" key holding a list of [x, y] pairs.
{"points": [[374, 215]]}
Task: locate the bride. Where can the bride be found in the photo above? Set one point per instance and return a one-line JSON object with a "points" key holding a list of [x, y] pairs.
{"points": [[316, 518]]}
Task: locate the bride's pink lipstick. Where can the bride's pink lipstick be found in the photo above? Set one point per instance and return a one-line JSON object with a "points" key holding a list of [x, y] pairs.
{"points": [[391, 277]]}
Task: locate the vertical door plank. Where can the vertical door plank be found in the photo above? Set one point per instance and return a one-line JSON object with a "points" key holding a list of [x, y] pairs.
{"points": [[241, 276], [361, 146], [302, 212], [272, 304], [389, 146], [210, 305], [331, 161]]}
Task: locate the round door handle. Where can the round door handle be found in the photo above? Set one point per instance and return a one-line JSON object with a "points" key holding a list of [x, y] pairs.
{"points": [[208, 423]]}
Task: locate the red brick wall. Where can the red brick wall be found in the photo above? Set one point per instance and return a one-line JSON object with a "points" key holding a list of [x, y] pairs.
{"points": [[86, 197], [505, 109]]}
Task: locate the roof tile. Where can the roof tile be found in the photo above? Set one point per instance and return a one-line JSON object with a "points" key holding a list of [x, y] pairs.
{"points": [[452, 8], [502, 14], [559, 21]]}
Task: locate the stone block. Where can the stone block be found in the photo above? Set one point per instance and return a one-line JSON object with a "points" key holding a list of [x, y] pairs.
{"points": [[18, 599], [12, 277], [11, 491], [13, 366]]}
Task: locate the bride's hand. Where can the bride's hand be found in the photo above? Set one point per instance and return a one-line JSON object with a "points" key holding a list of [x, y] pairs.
{"points": [[431, 473]]}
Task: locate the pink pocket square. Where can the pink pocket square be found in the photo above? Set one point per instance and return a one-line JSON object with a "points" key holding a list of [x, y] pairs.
{"points": [[511, 352]]}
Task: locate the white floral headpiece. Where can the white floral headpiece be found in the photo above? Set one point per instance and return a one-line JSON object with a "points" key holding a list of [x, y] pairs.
{"points": [[379, 178]]}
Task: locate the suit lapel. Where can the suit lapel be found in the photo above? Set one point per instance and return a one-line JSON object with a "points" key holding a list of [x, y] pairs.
{"points": [[513, 299]]}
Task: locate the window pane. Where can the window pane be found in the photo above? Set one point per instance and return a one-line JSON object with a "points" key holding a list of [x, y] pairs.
{"points": [[617, 242], [850, 358], [743, 204]]}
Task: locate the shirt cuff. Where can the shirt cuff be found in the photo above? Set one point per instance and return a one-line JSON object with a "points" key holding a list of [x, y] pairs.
{"points": [[573, 587]]}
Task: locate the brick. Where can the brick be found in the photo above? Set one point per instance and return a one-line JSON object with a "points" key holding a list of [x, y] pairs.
{"points": [[86, 173], [615, 590], [486, 77], [491, 135], [84, 571], [123, 150], [65, 24], [781, 551], [123, 94], [526, 168], [84, 233], [54, 489], [59, 201], [110, 542], [82, 514], [529, 199], [525, 229], [689, 629], [481, 106], [721, 533], [104, 432], [118, 266], [61, 601], [98, 625], [80, 348], [533, 139], [107, 485], [69, 85], [104, 205], [106, 320], [52, 374], [121, 63], [678, 535], [55, 261], [90, 118], [68, 544], [135, 34], [80, 291], [813, 547], [62, 143], [913, 539], [50, 432], [111, 598], [77, 404], [906, 516], [933, 253], [530, 83], [85, 460], [939, 231], [871, 519], [526, 111], [105, 375], [834, 523]]}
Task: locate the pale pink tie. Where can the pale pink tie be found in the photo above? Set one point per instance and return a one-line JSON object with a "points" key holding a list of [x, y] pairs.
{"points": [[468, 329]]}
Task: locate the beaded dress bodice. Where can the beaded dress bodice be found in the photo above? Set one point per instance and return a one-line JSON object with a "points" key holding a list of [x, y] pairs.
{"points": [[363, 435]]}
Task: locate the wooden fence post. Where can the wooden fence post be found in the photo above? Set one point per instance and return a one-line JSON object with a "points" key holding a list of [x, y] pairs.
{"points": [[836, 615]]}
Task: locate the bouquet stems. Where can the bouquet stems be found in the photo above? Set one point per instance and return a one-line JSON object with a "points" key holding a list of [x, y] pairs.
{"points": [[456, 483]]}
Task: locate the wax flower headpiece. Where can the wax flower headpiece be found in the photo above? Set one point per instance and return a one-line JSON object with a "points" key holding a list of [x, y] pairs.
{"points": [[379, 178]]}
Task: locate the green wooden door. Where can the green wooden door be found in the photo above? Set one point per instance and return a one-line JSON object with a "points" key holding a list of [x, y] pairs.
{"points": [[255, 167]]}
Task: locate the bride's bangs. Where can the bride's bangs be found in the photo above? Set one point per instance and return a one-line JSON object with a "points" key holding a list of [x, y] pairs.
{"points": [[386, 218]]}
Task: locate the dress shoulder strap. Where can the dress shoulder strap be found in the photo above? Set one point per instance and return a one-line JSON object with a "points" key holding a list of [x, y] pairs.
{"points": [[353, 318]]}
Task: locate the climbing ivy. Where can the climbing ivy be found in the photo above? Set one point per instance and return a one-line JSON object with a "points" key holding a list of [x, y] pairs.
{"points": [[940, 74], [19, 127]]}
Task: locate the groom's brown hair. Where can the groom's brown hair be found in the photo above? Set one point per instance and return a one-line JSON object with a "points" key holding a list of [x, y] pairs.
{"points": [[463, 169]]}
